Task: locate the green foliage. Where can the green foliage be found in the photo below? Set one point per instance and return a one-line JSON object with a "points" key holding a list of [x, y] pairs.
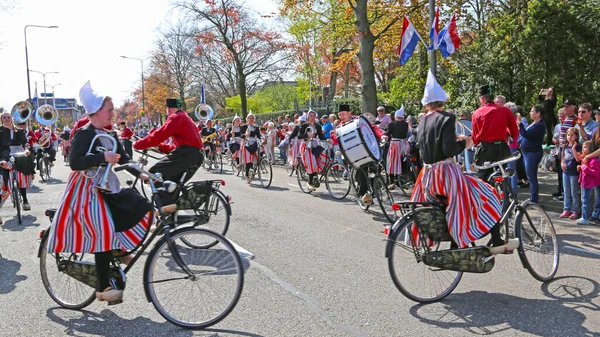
{"points": [[276, 97]]}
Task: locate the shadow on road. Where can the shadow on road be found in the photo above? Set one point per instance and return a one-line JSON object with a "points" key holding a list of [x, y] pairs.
{"points": [[35, 189], [577, 291], [483, 313], [12, 225], [8, 275], [581, 245], [53, 181]]}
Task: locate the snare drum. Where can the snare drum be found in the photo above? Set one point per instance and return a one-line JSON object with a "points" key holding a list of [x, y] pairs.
{"points": [[358, 142]]}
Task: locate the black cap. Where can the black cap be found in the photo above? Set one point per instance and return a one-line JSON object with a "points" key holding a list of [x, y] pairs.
{"points": [[597, 112], [123, 123], [173, 103], [485, 90], [569, 102], [344, 107]]}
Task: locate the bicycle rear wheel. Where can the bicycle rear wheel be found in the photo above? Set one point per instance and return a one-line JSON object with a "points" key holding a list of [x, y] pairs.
{"points": [[40, 167], [538, 247], [337, 186], [62, 288], [265, 173], [206, 297], [416, 280], [385, 199], [212, 214], [219, 163]]}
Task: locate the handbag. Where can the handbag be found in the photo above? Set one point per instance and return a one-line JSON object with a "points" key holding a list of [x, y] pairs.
{"points": [[127, 207]]}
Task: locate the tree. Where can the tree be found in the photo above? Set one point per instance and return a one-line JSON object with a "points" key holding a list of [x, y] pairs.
{"points": [[230, 28]]}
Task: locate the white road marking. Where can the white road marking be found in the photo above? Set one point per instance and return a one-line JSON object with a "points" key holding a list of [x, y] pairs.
{"points": [[295, 185], [244, 253], [582, 250]]}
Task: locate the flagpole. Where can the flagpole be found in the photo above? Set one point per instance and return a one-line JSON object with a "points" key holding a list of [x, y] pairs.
{"points": [[432, 60]]}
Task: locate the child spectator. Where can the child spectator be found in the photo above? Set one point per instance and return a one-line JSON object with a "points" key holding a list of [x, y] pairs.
{"points": [[569, 165], [589, 178]]}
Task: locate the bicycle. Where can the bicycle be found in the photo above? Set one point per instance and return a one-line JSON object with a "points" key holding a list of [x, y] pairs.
{"points": [[377, 186], [210, 206], [43, 164], [430, 269], [262, 168], [70, 278], [14, 185], [332, 174], [213, 159]]}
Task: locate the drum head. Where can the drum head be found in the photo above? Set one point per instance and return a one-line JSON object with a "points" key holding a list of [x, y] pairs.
{"points": [[369, 137]]}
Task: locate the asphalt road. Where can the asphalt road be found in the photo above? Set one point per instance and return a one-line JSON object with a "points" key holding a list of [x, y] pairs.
{"points": [[316, 268]]}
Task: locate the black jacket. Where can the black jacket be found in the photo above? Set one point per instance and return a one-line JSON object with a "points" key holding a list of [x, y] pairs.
{"points": [[303, 135], [437, 137], [79, 161]]}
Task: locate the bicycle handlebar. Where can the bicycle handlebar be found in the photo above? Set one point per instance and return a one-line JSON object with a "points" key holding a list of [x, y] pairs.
{"points": [[137, 168], [488, 165]]}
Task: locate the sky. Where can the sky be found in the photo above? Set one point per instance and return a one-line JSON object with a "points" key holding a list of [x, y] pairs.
{"points": [[91, 37]]}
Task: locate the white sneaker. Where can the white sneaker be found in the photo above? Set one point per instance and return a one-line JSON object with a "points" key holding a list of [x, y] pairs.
{"points": [[310, 187], [582, 221], [367, 198], [248, 180], [391, 187]]}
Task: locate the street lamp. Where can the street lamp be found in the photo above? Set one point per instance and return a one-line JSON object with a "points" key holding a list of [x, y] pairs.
{"points": [[143, 94], [53, 95], [44, 76], [27, 56]]}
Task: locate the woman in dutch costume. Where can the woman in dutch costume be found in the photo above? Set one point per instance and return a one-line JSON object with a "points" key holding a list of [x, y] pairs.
{"points": [[249, 153], [235, 138], [397, 132], [10, 136], [294, 150], [312, 153], [84, 223], [473, 206]]}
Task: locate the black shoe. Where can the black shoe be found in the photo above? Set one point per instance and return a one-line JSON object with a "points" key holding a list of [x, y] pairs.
{"points": [[557, 194]]}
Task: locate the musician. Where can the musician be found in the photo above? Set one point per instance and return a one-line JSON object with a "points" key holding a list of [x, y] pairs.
{"points": [[312, 153], [126, 134], [182, 154], [84, 121], [45, 143], [491, 122], [31, 140], [11, 136], [208, 133], [473, 207], [249, 145], [399, 146], [235, 138], [72, 231], [65, 137]]}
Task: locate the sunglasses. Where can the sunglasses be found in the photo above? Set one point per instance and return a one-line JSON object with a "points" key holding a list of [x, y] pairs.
{"points": [[582, 111]]}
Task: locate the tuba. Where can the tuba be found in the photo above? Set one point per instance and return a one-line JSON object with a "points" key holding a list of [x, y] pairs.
{"points": [[102, 184], [21, 112], [46, 115], [204, 112]]}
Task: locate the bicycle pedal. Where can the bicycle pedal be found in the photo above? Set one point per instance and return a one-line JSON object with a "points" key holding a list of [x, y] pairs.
{"points": [[115, 302]]}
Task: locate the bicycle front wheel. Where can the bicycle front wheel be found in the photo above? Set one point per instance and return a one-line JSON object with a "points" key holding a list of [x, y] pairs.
{"points": [[302, 177], [416, 280], [265, 173], [206, 296], [538, 245], [62, 288], [337, 186], [40, 167]]}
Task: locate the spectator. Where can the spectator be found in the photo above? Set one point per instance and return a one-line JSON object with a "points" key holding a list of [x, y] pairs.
{"points": [[531, 147], [465, 129], [586, 124], [383, 119], [548, 100], [569, 121], [500, 100], [271, 139], [571, 176], [288, 119], [590, 179], [514, 147], [597, 115], [332, 118], [327, 127]]}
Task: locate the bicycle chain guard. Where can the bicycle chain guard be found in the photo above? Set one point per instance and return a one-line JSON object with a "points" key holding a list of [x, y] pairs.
{"points": [[85, 272], [468, 260]]}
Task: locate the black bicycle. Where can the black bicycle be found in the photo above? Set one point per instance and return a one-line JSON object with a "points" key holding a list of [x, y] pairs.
{"points": [[190, 287], [14, 185], [44, 166], [426, 268], [199, 203], [332, 174], [377, 186]]}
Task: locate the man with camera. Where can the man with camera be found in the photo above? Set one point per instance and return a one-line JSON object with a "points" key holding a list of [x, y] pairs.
{"points": [[548, 101]]}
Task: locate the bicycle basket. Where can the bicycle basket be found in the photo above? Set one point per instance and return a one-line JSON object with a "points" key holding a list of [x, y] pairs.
{"points": [[194, 195]]}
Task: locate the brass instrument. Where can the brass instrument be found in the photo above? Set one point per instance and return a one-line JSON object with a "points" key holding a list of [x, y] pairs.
{"points": [[21, 112], [100, 148], [209, 138], [204, 112], [46, 115]]}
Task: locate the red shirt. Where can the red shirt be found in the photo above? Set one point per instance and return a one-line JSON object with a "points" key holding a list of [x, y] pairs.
{"points": [[180, 127], [127, 133], [31, 138], [492, 122]]}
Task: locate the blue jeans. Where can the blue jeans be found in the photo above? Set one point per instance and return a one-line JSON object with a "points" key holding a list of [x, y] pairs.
{"points": [[586, 202], [596, 213], [571, 193], [283, 153], [515, 178], [532, 161]]}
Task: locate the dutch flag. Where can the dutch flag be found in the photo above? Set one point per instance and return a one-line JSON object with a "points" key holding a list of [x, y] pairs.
{"points": [[408, 41], [434, 31], [449, 39]]}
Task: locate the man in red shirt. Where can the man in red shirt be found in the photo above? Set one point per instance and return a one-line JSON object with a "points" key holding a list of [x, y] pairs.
{"points": [[46, 140], [184, 152], [492, 124], [126, 134]]}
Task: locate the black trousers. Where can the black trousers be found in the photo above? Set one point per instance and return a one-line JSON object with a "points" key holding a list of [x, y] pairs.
{"points": [[128, 146], [49, 150], [173, 166], [490, 152]]}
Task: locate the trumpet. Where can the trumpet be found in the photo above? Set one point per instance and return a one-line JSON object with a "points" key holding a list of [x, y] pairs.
{"points": [[100, 148], [209, 138]]}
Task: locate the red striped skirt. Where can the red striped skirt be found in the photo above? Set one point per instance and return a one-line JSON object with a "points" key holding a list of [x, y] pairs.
{"points": [[245, 156], [473, 205], [24, 180], [398, 149], [293, 151], [83, 223], [312, 163]]}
